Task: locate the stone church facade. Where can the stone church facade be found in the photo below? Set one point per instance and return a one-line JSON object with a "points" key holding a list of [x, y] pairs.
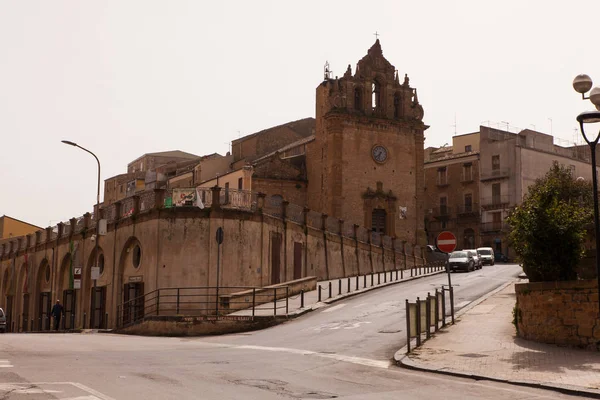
{"points": [[337, 195]]}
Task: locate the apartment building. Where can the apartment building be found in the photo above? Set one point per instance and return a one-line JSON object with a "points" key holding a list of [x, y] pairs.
{"points": [[503, 166]]}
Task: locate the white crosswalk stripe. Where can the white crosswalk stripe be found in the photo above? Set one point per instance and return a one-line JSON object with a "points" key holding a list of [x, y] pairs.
{"points": [[5, 364]]}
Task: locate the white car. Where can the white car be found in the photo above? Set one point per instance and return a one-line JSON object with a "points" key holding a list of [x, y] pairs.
{"points": [[487, 255], [477, 260]]}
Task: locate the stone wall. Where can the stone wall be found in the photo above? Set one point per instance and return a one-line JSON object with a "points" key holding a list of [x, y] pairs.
{"points": [[564, 313]]}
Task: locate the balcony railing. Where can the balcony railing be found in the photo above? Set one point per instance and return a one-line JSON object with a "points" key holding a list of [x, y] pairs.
{"points": [[468, 209], [490, 174], [494, 226], [495, 202], [441, 212]]}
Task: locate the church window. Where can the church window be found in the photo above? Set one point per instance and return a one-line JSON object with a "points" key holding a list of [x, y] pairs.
{"points": [[378, 220], [397, 105], [376, 99], [357, 99], [276, 200]]}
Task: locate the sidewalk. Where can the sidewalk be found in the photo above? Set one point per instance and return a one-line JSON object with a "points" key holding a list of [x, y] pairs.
{"points": [[483, 345], [292, 306]]}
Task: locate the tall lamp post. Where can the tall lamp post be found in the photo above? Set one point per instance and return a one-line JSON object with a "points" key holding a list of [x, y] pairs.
{"points": [[582, 84], [97, 212]]}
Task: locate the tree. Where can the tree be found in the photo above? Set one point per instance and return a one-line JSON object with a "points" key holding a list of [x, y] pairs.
{"points": [[549, 228]]}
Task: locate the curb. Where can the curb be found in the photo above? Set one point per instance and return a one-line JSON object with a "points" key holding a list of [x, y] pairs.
{"points": [[323, 303], [403, 360]]}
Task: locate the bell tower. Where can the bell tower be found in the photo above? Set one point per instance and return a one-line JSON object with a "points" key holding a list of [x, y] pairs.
{"points": [[365, 165]]}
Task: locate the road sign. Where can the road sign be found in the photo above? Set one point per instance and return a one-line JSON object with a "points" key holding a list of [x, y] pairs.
{"points": [[219, 235], [446, 242]]}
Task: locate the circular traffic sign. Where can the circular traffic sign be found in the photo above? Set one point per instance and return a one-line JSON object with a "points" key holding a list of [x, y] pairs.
{"points": [[446, 242]]}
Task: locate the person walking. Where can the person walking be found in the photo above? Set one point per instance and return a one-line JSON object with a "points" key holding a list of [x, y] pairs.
{"points": [[57, 312]]}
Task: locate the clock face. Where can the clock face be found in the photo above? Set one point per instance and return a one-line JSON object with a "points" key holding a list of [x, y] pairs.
{"points": [[379, 153]]}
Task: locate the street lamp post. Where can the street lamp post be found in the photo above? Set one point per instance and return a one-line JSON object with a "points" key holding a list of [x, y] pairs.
{"points": [[97, 212], [582, 84]]}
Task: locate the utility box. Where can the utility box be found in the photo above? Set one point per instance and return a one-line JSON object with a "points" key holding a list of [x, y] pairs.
{"points": [[102, 227]]}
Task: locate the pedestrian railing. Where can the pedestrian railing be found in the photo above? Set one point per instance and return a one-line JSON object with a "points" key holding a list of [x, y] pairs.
{"points": [[361, 282], [427, 316], [210, 302]]}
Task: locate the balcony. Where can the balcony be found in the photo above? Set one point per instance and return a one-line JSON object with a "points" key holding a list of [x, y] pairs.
{"points": [[489, 227], [441, 212], [468, 211], [493, 174], [468, 178], [495, 202]]}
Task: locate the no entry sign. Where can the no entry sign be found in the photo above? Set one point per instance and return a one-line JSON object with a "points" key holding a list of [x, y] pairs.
{"points": [[446, 242]]}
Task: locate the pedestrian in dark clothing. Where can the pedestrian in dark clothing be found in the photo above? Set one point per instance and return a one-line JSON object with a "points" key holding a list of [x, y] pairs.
{"points": [[57, 312]]}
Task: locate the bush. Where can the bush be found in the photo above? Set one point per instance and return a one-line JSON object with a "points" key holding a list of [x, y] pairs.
{"points": [[548, 229]]}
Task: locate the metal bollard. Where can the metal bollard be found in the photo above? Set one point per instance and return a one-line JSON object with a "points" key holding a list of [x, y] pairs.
{"points": [[40, 324], [437, 310], [365, 282], [407, 307], [384, 277], [371, 279], [428, 316], [339, 286], [356, 282], [378, 278], [31, 328], [329, 289], [84, 318], [349, 285], [106, 321], [411, 272], [401, 274], [302, 298], [452, 303], [418, 322], [72, 321], [319, 293]]}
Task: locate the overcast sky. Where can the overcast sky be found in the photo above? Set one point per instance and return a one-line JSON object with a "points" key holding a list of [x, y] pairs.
{"points": [[124, 78]]}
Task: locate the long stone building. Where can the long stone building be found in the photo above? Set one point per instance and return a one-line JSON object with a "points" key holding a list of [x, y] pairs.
{"points": [[331, 196]]}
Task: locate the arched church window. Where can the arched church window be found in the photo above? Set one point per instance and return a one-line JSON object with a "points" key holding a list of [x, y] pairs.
{"points": [[376, 95], [397, 105], [378, 220], [357, 99]]}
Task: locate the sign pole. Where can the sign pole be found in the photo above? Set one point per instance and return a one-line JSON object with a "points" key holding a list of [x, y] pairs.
{"points": [[446, 242], [219, 239]]}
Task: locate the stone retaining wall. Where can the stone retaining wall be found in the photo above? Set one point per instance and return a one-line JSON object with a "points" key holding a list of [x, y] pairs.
{"points": [[564, 313]]}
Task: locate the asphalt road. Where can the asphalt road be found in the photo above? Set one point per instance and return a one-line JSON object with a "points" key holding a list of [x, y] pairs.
{"points": [[340, 351]]}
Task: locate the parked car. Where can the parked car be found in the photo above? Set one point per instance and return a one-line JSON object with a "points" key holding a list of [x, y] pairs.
{"points": [[498, 256], [461, 260], [476, 259], [434, 255], [2, 321], [487, 255]]}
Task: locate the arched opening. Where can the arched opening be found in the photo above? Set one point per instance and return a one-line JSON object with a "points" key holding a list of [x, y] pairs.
{"points": [[358, 99], [8, 305], [68, 293], [378, 220], [95, 296], [469, 239], [397, 105], [22, 293], [131, 280], [376, 96], [43, 301]]}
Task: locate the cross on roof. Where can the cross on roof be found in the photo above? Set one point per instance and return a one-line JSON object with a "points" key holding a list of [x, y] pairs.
{"points": [[376, 35]]}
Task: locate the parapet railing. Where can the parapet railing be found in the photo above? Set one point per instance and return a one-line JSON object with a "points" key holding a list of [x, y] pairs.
{"points": [[203, 301]]}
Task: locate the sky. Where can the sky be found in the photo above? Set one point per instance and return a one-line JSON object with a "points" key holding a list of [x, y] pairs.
{"points": [[124, 78]]}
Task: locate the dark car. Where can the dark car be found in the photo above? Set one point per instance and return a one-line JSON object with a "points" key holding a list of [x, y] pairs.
{"points": [[2, 321], [461, 260], [500, 257], [434, 255]]}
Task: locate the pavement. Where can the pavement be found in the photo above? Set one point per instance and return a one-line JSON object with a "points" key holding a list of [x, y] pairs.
{"points": [[483, 345], [300, 304]]}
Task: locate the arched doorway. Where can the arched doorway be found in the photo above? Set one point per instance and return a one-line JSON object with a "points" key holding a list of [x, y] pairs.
{"points": [[43, 302], [65, 289], [469, 239], [97, 298], [131, 280], [22, 298], [8, 305]]}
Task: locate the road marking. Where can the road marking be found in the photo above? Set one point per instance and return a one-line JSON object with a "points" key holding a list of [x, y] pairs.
{"points": [[341, 325], [82, 398], [338, 357], [462, 304], [95, 395], [5, 364], [334, 308]]}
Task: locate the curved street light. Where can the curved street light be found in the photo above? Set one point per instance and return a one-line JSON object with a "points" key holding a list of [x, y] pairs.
{"points": [[97, 212], [582, 84]]}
